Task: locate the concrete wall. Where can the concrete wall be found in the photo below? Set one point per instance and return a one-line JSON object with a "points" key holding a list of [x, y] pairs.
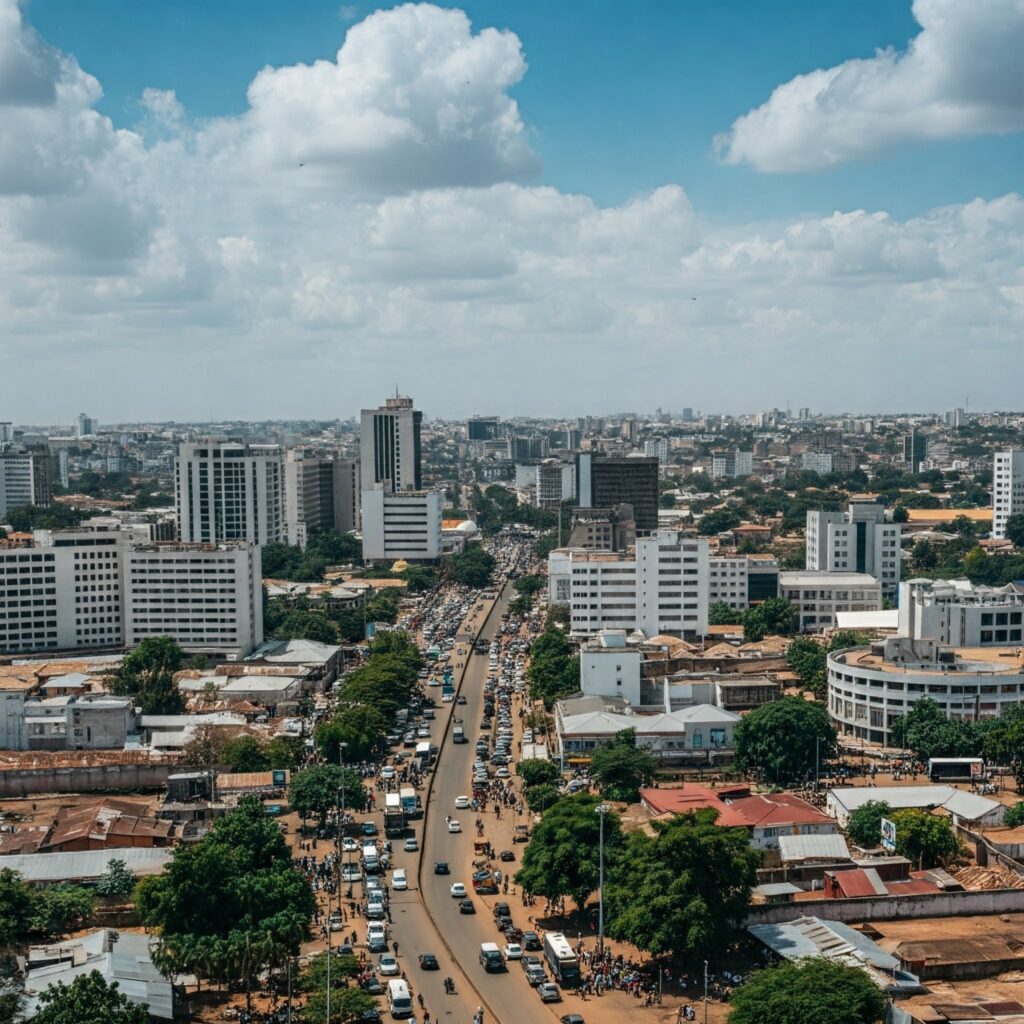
{"points": [[889, 908], [99, 778]]}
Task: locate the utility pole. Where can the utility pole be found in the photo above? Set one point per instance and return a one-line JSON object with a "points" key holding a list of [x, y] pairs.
{"points": [[705, 992], [602, 810]]}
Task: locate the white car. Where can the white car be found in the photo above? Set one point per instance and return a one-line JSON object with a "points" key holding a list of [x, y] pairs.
{"points": [[387, 772], [503, 773], [388, 965], [447, 698], [454, 826], [376, 932], [513, 951], [349, 845], [375, 910], [462, 803], [458, 890], [410, 845], [398, 879], [351, 873]]}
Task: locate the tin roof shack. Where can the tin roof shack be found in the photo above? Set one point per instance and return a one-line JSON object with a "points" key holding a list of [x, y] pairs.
{"points": [[962, 805], [277, 690], [262, 784], [323, 661], [121, 957], [86, 867], [107, 824]]}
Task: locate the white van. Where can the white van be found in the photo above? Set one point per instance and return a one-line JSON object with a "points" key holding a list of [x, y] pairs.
{"points": [[399, 999], [371, 864]]}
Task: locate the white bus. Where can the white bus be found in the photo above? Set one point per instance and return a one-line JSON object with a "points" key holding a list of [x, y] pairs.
{"points": [[399, 999]]}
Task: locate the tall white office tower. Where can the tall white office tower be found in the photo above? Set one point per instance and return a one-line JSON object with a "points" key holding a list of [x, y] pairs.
{"points": [[1007, 489], [390, 446]]}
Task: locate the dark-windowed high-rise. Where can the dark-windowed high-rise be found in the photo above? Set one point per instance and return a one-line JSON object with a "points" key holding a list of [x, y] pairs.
{"points": [[604, 482], [390, 446], [915, 451], [482, 428]]}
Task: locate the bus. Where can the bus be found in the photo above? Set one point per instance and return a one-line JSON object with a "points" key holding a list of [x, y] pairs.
{"points": [[956, 769], [562, 959]]}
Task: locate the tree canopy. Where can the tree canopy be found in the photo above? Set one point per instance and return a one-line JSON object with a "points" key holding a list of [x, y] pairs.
{"points": [[783, 739], [316, 790], [554, 670], [621, 767], [811, 991], [536, 770], [89, 999], [925, 839], [722, 614], [685, 889], [865, 824], [927, 731], [472, 567], [147, 676], [561, 858], [771, 617]]}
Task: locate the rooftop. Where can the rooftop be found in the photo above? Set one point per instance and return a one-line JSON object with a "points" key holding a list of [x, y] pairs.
{"points": [[972, 660], [811, 578]]}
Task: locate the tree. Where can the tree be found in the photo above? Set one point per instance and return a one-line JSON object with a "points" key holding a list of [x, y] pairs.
{"points": [[923, 557], [88, 1000], [245, 753], [554, 671], [806, 657], [621, 767], [147, 676], [535, 770], [541, 796], [60, 908], [118, 882], [472, 567], [810, 991], [284, 751], [925, 839], [926, 731], [722, 614], [718, 521], [205, 749], [684, 889], [865, 824], [316, 790], [359, 726], [561, 858], [529, 585], [16, 899], [785, 739], [774, 616], [900, 514], [1015, 530], [1014, 816], [306, 625]]}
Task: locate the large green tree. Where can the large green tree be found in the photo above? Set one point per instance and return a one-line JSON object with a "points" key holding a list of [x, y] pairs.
{"points": [[806, 657], [535, 770], [812, 991], [147, 676], [89, 999], [621, 767], [865, 824], [1015, 530], [683, 890], [771, 617], [925, 839], [361, 727], [785, 739], [927, 731], [472, 567], [722, 614], [561, 858], [316, 791], [554, 670]]}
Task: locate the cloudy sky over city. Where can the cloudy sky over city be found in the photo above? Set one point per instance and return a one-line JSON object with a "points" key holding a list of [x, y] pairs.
{"points": [[276, 210]]}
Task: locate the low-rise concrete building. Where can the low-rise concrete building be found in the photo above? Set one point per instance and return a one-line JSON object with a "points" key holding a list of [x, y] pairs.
{"points": [[818, 596]]}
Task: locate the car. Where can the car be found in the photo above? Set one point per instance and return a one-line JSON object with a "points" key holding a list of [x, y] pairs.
{"points": [[349, 845], [502, 909], [466, 907], [535, 975], [387, 772], [399, 881], [461, 803], [460, 699], [571, 1018], [531, 961], [345, 949], [454, 826], [428, 962], [410, 845], [513, 951], [376, 937], [334, 922], [548, 992], [370, 1016], [423, 732], [507, 855], [372, 985], [458, 890], [351, 873], [502, 773], [441, 867], [375, 909], [369, 828], [388, 965]]}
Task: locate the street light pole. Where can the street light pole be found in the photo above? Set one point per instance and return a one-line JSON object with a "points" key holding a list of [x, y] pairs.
{"points": [[705, 992], [602, 810], [341, 762]]}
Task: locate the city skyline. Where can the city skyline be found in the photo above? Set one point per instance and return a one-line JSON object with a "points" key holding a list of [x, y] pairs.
{"points": [[837, 211]]}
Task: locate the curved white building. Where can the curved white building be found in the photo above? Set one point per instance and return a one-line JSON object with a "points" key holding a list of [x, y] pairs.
{"points": [[870, 687]]}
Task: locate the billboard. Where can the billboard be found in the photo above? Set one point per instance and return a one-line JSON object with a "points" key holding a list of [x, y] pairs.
{"points": [[888, 835]]}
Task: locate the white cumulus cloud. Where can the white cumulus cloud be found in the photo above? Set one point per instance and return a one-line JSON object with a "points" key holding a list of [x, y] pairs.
{"points": [[962, 75]]}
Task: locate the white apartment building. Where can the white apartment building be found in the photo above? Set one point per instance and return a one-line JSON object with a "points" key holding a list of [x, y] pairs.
{"points": [[857, 540], [405, 524], [26, 478], [95, 588], [1007, 489], [659, 587], [229, 491], [6, 431], [556, 482], [209, 598], [731, 463], [959, 614], [816, 462], [817, 596], [656, 448], [390, 446], [742, 580]]}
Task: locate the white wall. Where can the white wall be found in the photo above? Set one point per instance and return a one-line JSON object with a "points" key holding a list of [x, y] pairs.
{"points": [[611, 672]]}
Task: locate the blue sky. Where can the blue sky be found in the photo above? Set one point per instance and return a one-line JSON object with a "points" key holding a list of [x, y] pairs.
{"points": [[560, 207], [620, 97]]}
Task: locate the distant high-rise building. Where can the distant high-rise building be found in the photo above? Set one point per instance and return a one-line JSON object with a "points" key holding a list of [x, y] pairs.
{"points": [[26, 478], [63, 468], [226, 490], [1007, 489], [604, 482], [482, 428], [816, 462], [573, 439], [346, 495], [525, 449], [804, 414], [87, 426], [954, 418], [629, 430], [390, 452], [656, 448], [6, 432], [687, 414], [727, 464], [915, 451], [401, 525], [308, 495]]}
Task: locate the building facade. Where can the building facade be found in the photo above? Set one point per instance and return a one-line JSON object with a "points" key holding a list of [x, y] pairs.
{"points": [[742, 580], [390, 446], [733, 463], [227, 491], [26, 478], [818, 596], [604, 482], [401, 525], [1007, 489], [857, 540], [958, 613]]}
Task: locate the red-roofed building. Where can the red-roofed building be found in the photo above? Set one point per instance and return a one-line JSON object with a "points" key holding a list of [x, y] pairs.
{"points": [[864, 883], [768, 816]]}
